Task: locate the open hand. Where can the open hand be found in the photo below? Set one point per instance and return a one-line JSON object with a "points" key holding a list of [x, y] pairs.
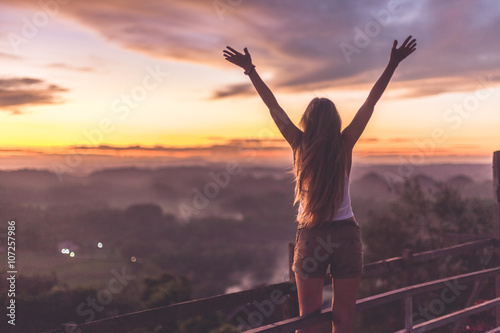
{"points": [[399, 54], [242, 60]]}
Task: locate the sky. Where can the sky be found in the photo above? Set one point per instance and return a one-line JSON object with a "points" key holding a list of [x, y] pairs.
{"points": [[123, 82]]}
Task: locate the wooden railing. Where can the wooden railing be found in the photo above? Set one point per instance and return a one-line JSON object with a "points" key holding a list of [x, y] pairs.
{"points": [[283, 295], [406, 293], [286, 291]]}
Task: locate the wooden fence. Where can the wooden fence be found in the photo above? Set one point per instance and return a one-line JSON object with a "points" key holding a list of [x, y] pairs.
{"points": [[283, 295], [407, 293]]}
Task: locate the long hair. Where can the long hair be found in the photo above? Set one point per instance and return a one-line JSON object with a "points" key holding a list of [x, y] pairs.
{"points": [[319, 163]]}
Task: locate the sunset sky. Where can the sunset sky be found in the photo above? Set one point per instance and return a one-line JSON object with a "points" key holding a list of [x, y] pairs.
{"points": [[146, 80]]}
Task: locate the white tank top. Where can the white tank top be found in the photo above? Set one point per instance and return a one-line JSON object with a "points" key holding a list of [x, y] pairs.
{"points": [[345, 209]]}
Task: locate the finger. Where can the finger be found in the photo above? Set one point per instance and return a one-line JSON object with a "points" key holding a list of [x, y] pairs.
{"points": [[411, 50], [412, 44], [406, 40], [230, 48], [229, 54], [395, 44], [246, 51]]}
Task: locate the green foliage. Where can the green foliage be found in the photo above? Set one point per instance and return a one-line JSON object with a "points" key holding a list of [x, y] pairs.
{"points": [[168, 290], [43, 305], [212, 323], [165, 290]]}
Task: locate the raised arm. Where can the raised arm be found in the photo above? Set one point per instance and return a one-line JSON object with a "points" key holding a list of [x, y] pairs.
{"points": [[352, 132], [289, 131]]}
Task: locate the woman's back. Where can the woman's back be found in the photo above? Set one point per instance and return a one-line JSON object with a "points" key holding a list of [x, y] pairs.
{"points": [[320, 163]]}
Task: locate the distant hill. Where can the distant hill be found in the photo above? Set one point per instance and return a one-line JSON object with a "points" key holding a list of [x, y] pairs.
{"points": [[460, 181], [439, 172], [370, 185], [426, 182], [170, 186]]}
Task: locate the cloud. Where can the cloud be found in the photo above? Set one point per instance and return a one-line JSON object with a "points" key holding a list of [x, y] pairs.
{"points": [[18, 93], [60, 65], [303, 43], [232, 145], [9, 56], [233, 90], [401, 140], [368, 140]]}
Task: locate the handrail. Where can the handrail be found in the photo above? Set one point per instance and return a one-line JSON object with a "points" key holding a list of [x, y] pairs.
{"points": [[453, 250], [378, 267], [182, 310], [372, 301], [416, 289], [454, 316]]}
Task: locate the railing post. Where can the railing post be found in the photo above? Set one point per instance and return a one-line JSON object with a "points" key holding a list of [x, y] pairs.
{"points": [[407, 275], [407, 280], [496, 189]]}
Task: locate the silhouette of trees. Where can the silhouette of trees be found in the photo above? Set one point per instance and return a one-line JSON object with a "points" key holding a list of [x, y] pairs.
{"points": [[165, 290], [424, 220]]}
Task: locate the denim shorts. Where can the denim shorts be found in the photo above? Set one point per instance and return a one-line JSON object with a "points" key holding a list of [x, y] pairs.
{"points": [[336, 244]]}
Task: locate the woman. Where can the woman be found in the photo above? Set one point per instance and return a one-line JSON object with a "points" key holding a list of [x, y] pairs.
{"points": [[328, 234]]}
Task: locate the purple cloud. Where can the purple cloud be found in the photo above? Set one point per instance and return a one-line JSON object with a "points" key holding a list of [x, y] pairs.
{"points": [[309, 45], [18, 93]]}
